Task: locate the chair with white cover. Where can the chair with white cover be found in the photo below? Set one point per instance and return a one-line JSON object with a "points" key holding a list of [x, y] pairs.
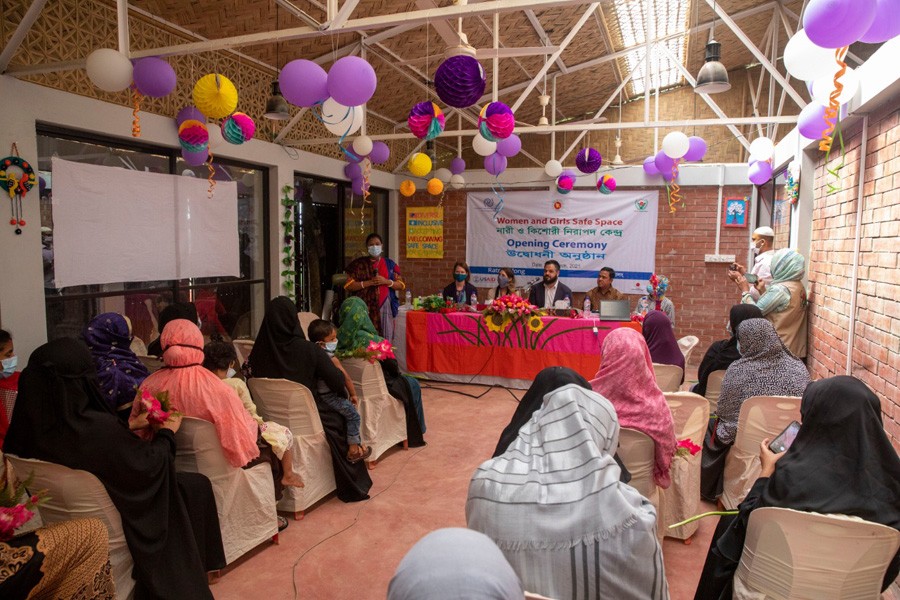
{"points": [[637, 451], [761, 417], [793, 554], [75, 494], [383, 418], [713, 389], [305, 319], [243, 349], [245, 498], [668, 377], [690, 412], [687, 345], [292, 405], [152, 363]]}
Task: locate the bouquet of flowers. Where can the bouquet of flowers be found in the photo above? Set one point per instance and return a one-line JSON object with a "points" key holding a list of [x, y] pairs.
{"points": [[505, 310], [157, 406], [16, 506], [686, 448], [435, 303], [374, 351]]}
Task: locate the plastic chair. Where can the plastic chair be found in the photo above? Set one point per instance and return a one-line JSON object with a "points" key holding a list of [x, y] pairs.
{"points": [[761, 417], [687, 344], [245, 498], [794, 554], [75, 494], [305, 319], [682, 499], [713, 389], [152, 363], [243, 349], [383, 416], [668, 377], [292, 405], [637, 452]]}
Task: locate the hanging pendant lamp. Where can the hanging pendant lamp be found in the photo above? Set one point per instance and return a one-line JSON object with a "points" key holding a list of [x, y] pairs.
{"points": [[713, 77]]}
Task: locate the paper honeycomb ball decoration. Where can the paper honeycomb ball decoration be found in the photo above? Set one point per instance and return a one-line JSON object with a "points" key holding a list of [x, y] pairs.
{"points": [[419, 165], [193, 136], [564, 184], [215, 96], [426, 120], [407, 188], [238, 128], [588, 160], [459, 81], [435, 186], [496, 121], [606, 184]]}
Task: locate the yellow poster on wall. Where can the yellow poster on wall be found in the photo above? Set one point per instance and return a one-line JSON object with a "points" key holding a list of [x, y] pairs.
{"points": [[424, 232]]}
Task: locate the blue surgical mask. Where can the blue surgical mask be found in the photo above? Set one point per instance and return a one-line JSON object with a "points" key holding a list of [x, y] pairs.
{"points": [[502, 280], [375, 251], [330, 347], [9, 366], [230, 373], [459, 276]]}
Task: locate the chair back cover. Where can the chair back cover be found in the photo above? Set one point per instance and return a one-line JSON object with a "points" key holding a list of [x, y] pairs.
{"points": [[761, 417], [245, 498], [383, 416], [292, 405], [713, 389], [795, 554], [75, 494], [637, 452], [305, 319], [152, 363], [690, 412], [687, 345], [242, 348], [668, 377]]}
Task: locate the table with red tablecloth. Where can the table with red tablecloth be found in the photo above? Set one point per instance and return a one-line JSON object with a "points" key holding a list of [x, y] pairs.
{"points": [[461, 347]]}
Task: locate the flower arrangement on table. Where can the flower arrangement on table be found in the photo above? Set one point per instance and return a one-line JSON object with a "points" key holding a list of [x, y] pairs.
{"points": [[435, 303], [158, 406], [374, 351], [509, 309], [686, 448], [17, 506]]}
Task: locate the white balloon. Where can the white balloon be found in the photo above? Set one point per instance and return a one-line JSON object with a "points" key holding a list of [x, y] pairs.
{"points": [[483, 147], [821, 88], [761, 148], [675, 144], [362, 145], [109, 69], [553, 168], [444, 175], [341, 120], [807, 61], [457, 181]]}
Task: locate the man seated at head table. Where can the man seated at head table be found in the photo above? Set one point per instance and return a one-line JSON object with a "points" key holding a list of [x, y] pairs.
{"points": [[551, 289], [604, 289]]}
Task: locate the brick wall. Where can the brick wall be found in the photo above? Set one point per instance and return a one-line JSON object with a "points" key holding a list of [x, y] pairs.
{"points": [[876, 353], [701, 291]]}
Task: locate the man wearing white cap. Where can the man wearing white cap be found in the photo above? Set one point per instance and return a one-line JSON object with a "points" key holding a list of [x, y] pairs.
{"points": [[761, 245]]}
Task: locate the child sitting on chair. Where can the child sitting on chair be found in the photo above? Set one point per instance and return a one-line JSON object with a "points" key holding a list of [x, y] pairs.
{"points": [[219, 357], [324, 334]]}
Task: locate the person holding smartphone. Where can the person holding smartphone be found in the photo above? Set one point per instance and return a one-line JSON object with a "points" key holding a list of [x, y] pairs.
{"points": [[760, 275]]}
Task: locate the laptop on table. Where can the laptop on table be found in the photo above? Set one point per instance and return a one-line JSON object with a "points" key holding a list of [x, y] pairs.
{"points": [[614, 310]]}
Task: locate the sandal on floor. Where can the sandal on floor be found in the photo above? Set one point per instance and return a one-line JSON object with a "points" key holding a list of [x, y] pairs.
{"points": [[282, 523], [362, 456]]}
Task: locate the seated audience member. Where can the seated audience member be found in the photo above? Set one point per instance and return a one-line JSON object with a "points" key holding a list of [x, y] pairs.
{"points": [[722, 353], [324, 334], [119, 372], [841, 462], [63, 418], [551, 290], [354, 336], [220, 358], [664, 348], [554, 505], [9, 381], [179, 310], [281, 351], [761, 244], [626, 379], [765, 368], [460, 291], [604, 289], [656, 300], [454, 563], [784, 301], [506, 284]]}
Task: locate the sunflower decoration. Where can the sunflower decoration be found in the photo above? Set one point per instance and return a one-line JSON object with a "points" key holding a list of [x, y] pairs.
{"points": [[497, 322], [535, 323]]}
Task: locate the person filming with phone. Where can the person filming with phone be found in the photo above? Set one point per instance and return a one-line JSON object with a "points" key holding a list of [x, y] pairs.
{"points": [[760, 275]]}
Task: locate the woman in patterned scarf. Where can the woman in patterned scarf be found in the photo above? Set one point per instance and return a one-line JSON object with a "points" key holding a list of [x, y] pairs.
{"points": [[119, 372], [376, 279]]}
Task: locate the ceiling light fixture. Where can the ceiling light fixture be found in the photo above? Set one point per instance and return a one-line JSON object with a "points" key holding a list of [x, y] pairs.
{"points": [[713, 76], [277, 108]]}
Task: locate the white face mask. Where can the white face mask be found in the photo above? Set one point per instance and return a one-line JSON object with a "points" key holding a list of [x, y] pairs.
{"points": [[331, 346], [230, 373], [9, 366], [754, 248], [375, 251]]}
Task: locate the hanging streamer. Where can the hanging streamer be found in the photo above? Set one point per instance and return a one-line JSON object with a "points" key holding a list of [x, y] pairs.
{"points": [[835, 184], [136, 118], [212, 171], [832, 111], [367, 170], [674, 190]]}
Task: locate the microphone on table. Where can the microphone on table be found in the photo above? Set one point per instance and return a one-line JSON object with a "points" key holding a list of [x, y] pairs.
{"points": [[530, 285]]}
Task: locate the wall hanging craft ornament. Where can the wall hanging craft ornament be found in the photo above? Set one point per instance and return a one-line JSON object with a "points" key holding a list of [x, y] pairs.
{"points": [[16, 185]]}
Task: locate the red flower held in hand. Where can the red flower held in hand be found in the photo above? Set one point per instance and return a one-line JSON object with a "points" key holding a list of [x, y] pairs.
{"points": [[686, 448], [157, 406]]}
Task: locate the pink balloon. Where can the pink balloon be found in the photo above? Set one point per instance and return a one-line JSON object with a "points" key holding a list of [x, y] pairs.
{"points": [[495, 163], [351, 81], [154, 77], [650, 166], [663, 163], [760, 172], [195, 159], [811, 122], [696, 148], [380, 153], [303, 83], [886, 24], [838, 23], [509, 146]]}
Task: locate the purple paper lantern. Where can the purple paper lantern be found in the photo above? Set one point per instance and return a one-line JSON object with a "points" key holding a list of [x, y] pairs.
{"points": [[496, 121], [380, 153], [426, 121], [154, 77], [495, 164], [606, 184], [303, 83], [195, 159], [663, 163], [457, 165], [459, 81], [351, 81], [588, 160], [508, 147], [352, 171], [759, 172], [189, 112], [886, 24], [838, 23], [696, 148], [650, 166]]}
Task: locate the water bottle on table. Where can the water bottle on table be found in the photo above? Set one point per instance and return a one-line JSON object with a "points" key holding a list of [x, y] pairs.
{"points": [[586, 313], [408, 297], [473, 301]]}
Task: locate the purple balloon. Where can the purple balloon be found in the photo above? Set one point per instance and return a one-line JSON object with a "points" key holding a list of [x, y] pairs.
{"points": [[459, 81], [696, 148], [303, 83], [811, 121], [154, 77], [507, 147], [569, 173], [352, 171], [351, 81], [663, 163], [350, 155], [358, 185], [669, 175], [886, 24], [650, 166], [457, 165], [189, 112], [760, 172], [495, 163], [195, 159], [838, 23], [380, 152]]}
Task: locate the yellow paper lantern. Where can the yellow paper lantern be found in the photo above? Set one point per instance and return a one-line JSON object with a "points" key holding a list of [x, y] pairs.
{"points": [[435, 186], [215, 96], [419, 165], [407, 188]]}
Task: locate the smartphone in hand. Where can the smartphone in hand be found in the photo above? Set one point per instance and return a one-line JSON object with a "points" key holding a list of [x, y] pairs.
{"points": [[751, 278], [784, 439]]}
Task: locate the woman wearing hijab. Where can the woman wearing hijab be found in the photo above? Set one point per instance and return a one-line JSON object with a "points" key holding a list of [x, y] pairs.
{"points": [[626, 379], [62, 417], [765, 368], [281, 351], [119, 372], [722, 353], [840, 463], [355, 334], [179, 310], [784, 302], [453, 563], [660, 338], [554, 506]]}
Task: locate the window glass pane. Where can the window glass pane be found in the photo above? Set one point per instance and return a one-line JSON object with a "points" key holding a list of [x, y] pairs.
{"points": [[781, 218]]}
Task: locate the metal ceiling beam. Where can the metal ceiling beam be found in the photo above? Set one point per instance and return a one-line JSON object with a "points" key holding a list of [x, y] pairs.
{"points": [[539, 30], [402, 164], [290, 125], [18, 36], [450, 37], [607, 39], [342, 15], [348, 50]]}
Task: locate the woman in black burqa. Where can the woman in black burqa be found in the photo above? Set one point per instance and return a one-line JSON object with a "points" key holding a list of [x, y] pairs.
{"points": [[840, 463], [61, 417], [281, 351]]}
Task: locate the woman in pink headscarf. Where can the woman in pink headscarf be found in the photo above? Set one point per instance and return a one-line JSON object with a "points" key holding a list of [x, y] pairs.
{"points": [[197, 392], [626, 379]]}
